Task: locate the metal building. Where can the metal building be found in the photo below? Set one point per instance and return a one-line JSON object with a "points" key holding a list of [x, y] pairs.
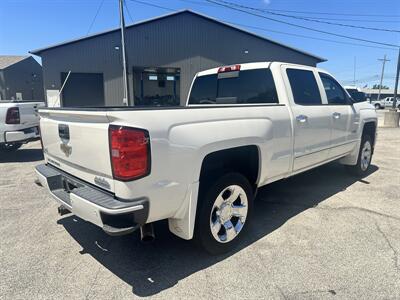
{"points": [[20, 78], [163, 55]]}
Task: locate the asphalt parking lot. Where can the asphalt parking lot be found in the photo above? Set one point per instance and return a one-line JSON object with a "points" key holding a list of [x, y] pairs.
{"points": [[321, 234]]}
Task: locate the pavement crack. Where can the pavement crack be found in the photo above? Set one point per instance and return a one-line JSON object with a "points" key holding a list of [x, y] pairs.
{"points": [[281, 292], [93, 283], [330, 291], [395, 257], [359, 209]]}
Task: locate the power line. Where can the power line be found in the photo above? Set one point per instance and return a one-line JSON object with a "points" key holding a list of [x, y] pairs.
{"points": [[275, 31], [95, 17], [305, 18], [129, 13], [301, 26], [153, 5], [335, 14], [355, 20], [309, 17], [309, 37], [358, 68]]}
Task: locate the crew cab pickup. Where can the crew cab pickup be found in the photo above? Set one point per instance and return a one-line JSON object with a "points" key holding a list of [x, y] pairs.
{"points": [[19, 123], [199, 166]]}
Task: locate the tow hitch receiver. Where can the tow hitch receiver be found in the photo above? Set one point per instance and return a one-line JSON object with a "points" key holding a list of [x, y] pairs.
{"points": [[62, 210]]}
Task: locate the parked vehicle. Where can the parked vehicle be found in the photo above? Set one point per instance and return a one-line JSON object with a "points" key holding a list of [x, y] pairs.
{"points": [[199, 166], [356, 93], [378, 104], [19, 123], [388, 102]]}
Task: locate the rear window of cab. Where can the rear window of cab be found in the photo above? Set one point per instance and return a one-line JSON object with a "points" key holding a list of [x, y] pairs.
{"points": [[236, 87]]}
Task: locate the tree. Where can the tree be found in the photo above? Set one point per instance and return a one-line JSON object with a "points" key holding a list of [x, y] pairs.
{"points": [[383, 87]]}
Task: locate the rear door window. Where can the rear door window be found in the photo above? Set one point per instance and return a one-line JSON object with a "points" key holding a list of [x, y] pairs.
{"points": [[243, 87], [304, 87]]}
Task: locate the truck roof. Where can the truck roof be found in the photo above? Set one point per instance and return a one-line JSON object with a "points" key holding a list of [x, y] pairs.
{"points": [[255, 65]]}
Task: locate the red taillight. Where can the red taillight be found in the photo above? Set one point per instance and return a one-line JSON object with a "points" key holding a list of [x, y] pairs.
{"points": [[229, 69], [130, 152], [12, 116]]}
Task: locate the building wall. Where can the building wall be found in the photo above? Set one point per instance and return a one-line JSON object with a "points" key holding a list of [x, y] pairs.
{"points": [[2, 86], [184, 41], [19, 78], [372, 94]]}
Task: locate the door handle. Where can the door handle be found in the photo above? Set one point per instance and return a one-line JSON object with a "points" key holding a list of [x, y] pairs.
{"points": [[336, 115], [301, 118]]}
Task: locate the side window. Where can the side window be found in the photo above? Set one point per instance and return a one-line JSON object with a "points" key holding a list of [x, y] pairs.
{"points": [[304, 87], [333, 90], [243, 87], [204, 90]]}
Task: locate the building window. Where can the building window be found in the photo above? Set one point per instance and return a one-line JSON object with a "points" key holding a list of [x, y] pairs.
{"points": [[156, 86]]}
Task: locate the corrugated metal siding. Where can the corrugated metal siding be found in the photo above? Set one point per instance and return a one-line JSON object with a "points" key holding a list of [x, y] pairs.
{"points": [[2, 86], [184, 41], [18, 78]]}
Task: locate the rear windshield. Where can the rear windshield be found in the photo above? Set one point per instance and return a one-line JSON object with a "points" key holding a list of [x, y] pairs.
{"points": [[240, 87]]}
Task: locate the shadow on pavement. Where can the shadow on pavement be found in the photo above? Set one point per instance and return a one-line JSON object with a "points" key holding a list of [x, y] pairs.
{"points": [[152, 268], [21, 155]]}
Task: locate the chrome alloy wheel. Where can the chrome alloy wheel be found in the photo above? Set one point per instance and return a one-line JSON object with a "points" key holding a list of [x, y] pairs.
{"points": [[229, 213], [366, 154]]}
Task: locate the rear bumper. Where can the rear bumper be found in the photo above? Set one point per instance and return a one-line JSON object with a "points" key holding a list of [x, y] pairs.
{"points": [[21, 136], [114, 216]]}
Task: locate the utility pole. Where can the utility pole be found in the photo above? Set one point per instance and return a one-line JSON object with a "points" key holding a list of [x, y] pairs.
{"points": [[396, 83], [384, 60], [354, 75], [125, 100]]}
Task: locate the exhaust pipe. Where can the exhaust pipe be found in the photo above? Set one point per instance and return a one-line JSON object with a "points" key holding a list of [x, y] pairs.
{"points": [[62, 210], [147, 233]]}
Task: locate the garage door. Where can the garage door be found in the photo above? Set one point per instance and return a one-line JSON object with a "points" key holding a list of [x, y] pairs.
{"points": [[83, 89]]}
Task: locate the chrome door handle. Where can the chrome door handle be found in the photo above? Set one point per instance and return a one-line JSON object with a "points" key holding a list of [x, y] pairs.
{"points": [[336, 115], [301, 118]]}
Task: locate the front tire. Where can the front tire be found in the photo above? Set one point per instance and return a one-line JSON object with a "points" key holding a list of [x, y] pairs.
{"points": [[364, 157], [224, 211], [377, 106]]}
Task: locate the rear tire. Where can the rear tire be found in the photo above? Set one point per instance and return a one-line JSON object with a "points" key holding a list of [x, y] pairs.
{"points": [[9, 147], [377, 106], [223, 213], [364, 157]]}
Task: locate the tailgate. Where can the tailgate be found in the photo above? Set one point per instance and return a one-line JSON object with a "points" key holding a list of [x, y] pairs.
{"points": [[29, 113], [77, 143]]}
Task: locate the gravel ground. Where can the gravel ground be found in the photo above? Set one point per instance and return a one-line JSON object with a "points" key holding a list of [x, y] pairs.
{"points": [[321, 234]]}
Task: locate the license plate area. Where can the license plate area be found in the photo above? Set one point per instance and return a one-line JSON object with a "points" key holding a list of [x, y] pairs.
{"points": [[69, 185], [81, 207], [85, 210]]}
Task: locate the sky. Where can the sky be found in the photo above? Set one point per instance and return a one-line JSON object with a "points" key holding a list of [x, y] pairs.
{"points": [[31, 24]]}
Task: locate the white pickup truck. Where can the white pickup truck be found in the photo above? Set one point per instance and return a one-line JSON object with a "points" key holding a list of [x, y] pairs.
{"points": [[19, 123], [199, 166]]}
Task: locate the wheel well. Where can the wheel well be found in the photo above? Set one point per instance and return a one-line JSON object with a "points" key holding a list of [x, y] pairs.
{"points": [[370, 129], [244, 160]]}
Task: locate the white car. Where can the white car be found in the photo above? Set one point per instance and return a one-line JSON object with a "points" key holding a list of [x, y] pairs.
{"points": [[388, 102], [19, 123], [199, 166]]}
